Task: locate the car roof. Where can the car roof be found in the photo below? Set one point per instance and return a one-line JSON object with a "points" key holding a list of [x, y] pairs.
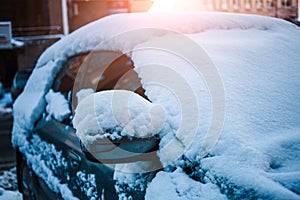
{"points": [[88, 37]]}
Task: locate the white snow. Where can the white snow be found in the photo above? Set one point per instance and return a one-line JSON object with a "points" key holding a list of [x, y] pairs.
{"points": [[87, 183], [135, 176], [179, 186], [5, 103], [8, 179], [95, 33], [10, 195], [57, 105], [80, 95], [122, 111], [33, 97], [45, 168], [8, 185], [257, 155], [6, 99]]}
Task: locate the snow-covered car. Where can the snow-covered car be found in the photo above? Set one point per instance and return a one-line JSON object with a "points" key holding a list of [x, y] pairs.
{"points": [[164, 106]]}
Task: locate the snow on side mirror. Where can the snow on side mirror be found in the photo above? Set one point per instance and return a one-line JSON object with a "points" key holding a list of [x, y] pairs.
{"points": [[118, 124]]}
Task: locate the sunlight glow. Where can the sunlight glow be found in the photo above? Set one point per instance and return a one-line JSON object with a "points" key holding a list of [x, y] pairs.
{"points": [[176, 5]]}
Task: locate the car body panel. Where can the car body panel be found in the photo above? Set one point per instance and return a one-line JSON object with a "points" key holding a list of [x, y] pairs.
{"points": [[75, 170]]}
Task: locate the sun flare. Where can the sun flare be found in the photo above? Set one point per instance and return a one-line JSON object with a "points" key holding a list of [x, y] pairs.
{"points": [[176, 5]]}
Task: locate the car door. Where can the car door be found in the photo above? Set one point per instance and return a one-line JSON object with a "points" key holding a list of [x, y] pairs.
{"points": [[62, 153]]}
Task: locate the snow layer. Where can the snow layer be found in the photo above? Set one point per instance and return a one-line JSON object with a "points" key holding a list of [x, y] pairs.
{"points": [[33, 96], [8, 179], [179, 186], [88, 37], [116, 113], [87, 184], [261, 128], [47, 168], [6, 98], [257, 60], [57, 106], [10, 195], [5, 103], [53, 169], [133, 177]]}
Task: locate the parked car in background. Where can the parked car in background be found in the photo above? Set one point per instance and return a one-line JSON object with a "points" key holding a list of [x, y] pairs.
{"points": [[120, 108]]}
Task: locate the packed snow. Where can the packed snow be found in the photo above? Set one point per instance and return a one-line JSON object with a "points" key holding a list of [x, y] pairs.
{"points": [[257, 154], [57, 106], [116, 113], [5, 103], [8, 185], [179, 186], [10, 195], [8, 179]]}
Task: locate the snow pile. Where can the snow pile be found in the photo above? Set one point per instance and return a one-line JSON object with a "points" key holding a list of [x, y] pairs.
{"points": [[178, 186], [5, 103], [273, 161], [57, 106], [172, 80], [80, 95], [116, 113], [33, 96], [6, 98], [8, 179], [9, 195]]}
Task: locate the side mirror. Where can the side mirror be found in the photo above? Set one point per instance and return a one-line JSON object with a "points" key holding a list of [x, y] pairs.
{"points": [[122, 151]]}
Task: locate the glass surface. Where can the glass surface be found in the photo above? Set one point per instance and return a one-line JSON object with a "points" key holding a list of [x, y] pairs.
{"points": [[99, 70]]}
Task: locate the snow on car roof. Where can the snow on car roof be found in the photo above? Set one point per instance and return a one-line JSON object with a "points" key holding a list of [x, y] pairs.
{"points": [[87, 37]]}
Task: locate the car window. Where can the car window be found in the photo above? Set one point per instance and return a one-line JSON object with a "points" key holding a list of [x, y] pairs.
{"points": [[99, 70]]}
